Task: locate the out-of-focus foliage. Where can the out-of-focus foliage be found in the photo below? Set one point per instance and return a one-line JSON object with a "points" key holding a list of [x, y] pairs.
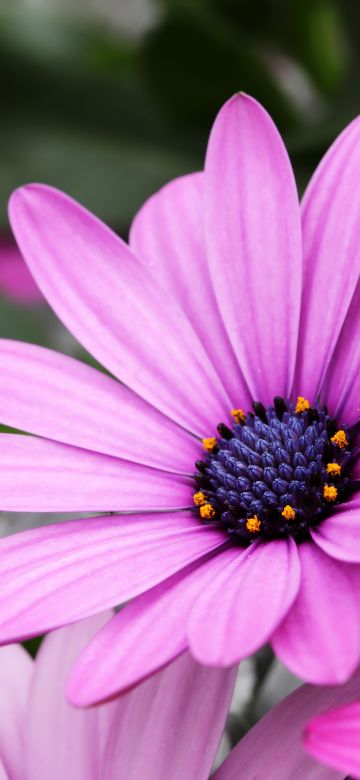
{"points": [[110, 119]]}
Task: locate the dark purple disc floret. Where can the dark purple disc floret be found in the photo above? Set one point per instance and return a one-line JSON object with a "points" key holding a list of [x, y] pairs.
{"points": [[276, 473]]}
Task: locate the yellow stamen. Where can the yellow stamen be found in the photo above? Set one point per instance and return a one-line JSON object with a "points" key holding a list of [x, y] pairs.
{"points": [[339, 438], [210, 443], [302, 405], [288, 512], [207, 511], [334, 469], [253, 524], [330, 493], [238, 415], [199, 498]]}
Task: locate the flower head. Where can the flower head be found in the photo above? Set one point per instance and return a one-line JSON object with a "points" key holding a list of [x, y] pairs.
{"points": [[246, 397]]}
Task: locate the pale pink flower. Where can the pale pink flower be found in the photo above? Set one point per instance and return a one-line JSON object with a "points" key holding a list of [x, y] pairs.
{"points": [[169, 726], [218, 303]]}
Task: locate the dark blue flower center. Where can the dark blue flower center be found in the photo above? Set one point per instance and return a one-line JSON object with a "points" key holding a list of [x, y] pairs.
{"points": [[276, 473]]}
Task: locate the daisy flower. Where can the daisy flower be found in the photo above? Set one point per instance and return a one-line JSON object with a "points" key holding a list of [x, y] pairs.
{"points": [[169, 725], [228, 449], [148, 733]]}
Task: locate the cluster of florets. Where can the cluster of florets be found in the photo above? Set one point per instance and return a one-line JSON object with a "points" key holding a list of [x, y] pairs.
{"points": [[275, 473]]}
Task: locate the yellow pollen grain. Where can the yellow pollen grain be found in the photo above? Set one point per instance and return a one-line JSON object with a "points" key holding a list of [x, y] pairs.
{"points": [[253, 524], [334, 469], [339, 438], [238, 415], [199, 498], [210, 443], [330, 493], [288, 512], [302, 405], [207, 511]]}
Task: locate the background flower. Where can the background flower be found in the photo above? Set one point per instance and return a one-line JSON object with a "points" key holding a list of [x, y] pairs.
{"points": [[170, 723], [15, 279], [334, 738], [148, 732]]}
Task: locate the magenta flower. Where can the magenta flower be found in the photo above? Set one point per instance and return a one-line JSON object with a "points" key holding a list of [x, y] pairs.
{"points": [[169, 726], [334, 738], [16, 281], [274, 747], [217, 308]]}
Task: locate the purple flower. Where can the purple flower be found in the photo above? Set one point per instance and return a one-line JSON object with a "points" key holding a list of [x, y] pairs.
{"points": [[217, 309], [16, 282], [274, 747], [169, 726], [334, 738]]}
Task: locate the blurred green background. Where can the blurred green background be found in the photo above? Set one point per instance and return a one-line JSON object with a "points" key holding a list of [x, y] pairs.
{"points": [[110, 99]]}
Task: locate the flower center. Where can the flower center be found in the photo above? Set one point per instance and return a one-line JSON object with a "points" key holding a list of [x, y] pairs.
{"points": [[276, 473]]}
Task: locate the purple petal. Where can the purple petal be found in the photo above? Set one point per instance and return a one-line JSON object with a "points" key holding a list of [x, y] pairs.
{"points": [[243, 604], [60, 573], [254, 244], [109, 301], [168, 232], [60, 398], [334, 739], [273, 748], [341, 389], [330, 221], [37, 475], [3, 774], [119, 656], [169, 726], [339, 535], [62, 742], [16, 669], [319, 639]]}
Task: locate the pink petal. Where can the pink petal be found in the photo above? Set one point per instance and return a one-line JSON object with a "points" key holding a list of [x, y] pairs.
{"points": [[341, 385], [4, 776], [16, 670], [16, 281], [319, 639], [37, 475], [334, 739], [60, 398], [254, 245], [170, 725], [330, 221], [273, 749], [339, 535], [148, 633], [60, 573], [168, 232], [243, 604], [107, 298], [62, 742]]}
